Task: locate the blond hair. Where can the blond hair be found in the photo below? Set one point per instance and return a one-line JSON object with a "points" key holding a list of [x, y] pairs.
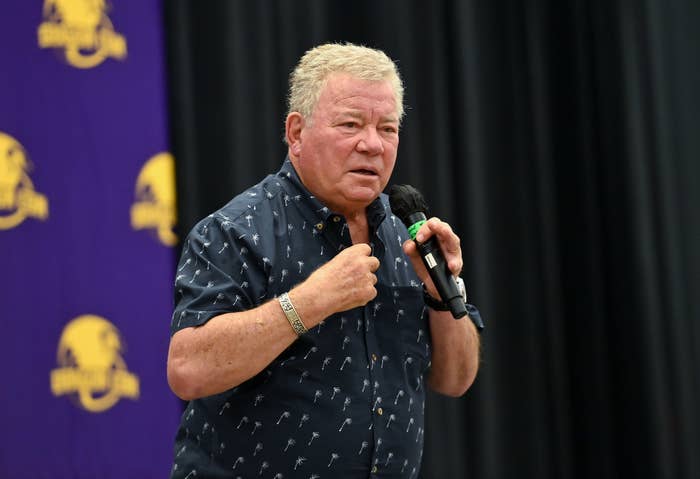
{"points": [[310, 75]]}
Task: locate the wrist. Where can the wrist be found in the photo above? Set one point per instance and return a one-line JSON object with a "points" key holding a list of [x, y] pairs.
{"points": [[291, 314], [434, 301], [311, 306]]}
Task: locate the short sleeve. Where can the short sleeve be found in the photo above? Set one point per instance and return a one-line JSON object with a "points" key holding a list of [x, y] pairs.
{"points": [[216, 274]]}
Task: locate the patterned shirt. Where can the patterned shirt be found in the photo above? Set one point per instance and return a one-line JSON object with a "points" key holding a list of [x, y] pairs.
{"points": [[345, 400]]}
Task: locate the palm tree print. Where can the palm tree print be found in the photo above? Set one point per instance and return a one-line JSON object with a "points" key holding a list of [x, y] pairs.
{"points": [[300, 460], [363, 447], [284, 415], [334, 456], [224, 407], [326, 362], [312, 350], [365, 383], [314, 435], [189, 260], [388, 458], [410, 423], [346, 422], [304, 418]]}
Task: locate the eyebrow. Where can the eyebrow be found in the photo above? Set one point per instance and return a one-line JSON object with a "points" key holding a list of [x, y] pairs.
{"points": [[357, 114]]}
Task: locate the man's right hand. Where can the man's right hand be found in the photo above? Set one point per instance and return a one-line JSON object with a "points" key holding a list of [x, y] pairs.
{"points": [[233, 347], [346, 281]]}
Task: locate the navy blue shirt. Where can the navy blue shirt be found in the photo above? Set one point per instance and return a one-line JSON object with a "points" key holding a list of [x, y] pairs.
{"points": [[345, 400]]}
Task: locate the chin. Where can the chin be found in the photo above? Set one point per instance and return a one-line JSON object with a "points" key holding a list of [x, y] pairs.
{"points": [[364, 199]]}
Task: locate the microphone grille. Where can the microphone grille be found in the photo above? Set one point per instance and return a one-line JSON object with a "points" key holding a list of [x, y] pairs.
{"points": [[405, 200]]}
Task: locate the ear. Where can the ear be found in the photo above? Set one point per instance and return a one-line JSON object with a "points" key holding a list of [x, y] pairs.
{"points": [[292, 132]]}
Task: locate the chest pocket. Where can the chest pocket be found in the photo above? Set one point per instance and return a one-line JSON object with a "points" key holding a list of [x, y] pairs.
{"points": [[405, 325]]}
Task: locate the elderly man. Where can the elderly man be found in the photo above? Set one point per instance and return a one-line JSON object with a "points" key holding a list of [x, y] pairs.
{"points": [[301, 336]]}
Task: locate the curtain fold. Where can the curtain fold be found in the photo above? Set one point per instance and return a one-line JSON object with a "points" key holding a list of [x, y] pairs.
{"points": [[560, 140]]}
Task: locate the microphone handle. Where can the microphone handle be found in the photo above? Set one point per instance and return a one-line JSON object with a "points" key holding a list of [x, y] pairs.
{"points": [[442, 277]]}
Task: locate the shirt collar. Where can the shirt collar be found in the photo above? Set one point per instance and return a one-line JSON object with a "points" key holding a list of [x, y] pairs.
{"points": [[376, 211]]}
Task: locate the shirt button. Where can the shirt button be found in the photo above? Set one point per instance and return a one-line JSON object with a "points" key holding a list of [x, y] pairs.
{"points": [[374, 469], [380, 411], [319, 226]]}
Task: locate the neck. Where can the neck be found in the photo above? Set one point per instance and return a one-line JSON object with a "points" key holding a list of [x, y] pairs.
{"points": [[359, 229]]}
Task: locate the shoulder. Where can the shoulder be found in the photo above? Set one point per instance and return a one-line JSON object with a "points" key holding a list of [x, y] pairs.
{"points": [[253, 203]]}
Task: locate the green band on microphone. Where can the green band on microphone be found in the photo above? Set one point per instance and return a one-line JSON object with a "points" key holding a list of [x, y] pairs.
{"points": [[413, 229]]}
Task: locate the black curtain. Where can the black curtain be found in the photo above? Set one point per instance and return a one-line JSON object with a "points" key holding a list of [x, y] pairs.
{"points": [[561, 139]]}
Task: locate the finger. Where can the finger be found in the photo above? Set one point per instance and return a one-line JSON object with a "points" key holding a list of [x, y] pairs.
{"points": [[426, 230], [372, 278], [359, 249], [409, 247], [456, 266], [373, 294], [374, 263], [449, 241], [363, 248]]}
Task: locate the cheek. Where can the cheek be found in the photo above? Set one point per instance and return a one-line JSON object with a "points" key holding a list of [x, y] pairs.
{"points": [[391, 144], [390, 151]]}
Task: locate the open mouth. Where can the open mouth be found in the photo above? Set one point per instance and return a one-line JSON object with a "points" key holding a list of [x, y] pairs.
{"points": [[364, 172]]}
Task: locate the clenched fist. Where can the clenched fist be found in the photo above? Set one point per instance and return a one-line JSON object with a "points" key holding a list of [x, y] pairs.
{"points": [[346, 281]]}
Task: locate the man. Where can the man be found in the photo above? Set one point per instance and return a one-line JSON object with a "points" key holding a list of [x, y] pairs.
{"points": [[300, 334]]}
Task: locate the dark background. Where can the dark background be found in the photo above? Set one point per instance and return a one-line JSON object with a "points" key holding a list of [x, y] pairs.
{"points": [[561, 139]]}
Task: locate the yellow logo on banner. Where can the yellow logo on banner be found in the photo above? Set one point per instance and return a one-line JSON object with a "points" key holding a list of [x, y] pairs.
{"points": [[91, 368], [18, 199], [155, 198], [82, 28]]}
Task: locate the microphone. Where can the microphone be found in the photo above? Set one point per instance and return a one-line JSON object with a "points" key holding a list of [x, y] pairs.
{"points": [[408, 204]]}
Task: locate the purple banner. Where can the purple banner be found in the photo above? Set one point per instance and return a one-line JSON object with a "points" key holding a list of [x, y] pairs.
{"points": [[87, 209]]}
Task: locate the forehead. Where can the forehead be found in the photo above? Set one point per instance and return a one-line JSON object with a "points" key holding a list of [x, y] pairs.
{"points": [[343, 91]]}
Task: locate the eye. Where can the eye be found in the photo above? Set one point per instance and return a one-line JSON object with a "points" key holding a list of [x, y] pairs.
{"points": [[390, 129], [350, 124]]}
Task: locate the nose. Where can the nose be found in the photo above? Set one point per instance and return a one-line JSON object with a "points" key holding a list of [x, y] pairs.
{"points": [[370, 142]]}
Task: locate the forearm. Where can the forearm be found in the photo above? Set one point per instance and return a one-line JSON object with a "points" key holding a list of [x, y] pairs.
{"points": [[455, 353], [233, 347]]}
